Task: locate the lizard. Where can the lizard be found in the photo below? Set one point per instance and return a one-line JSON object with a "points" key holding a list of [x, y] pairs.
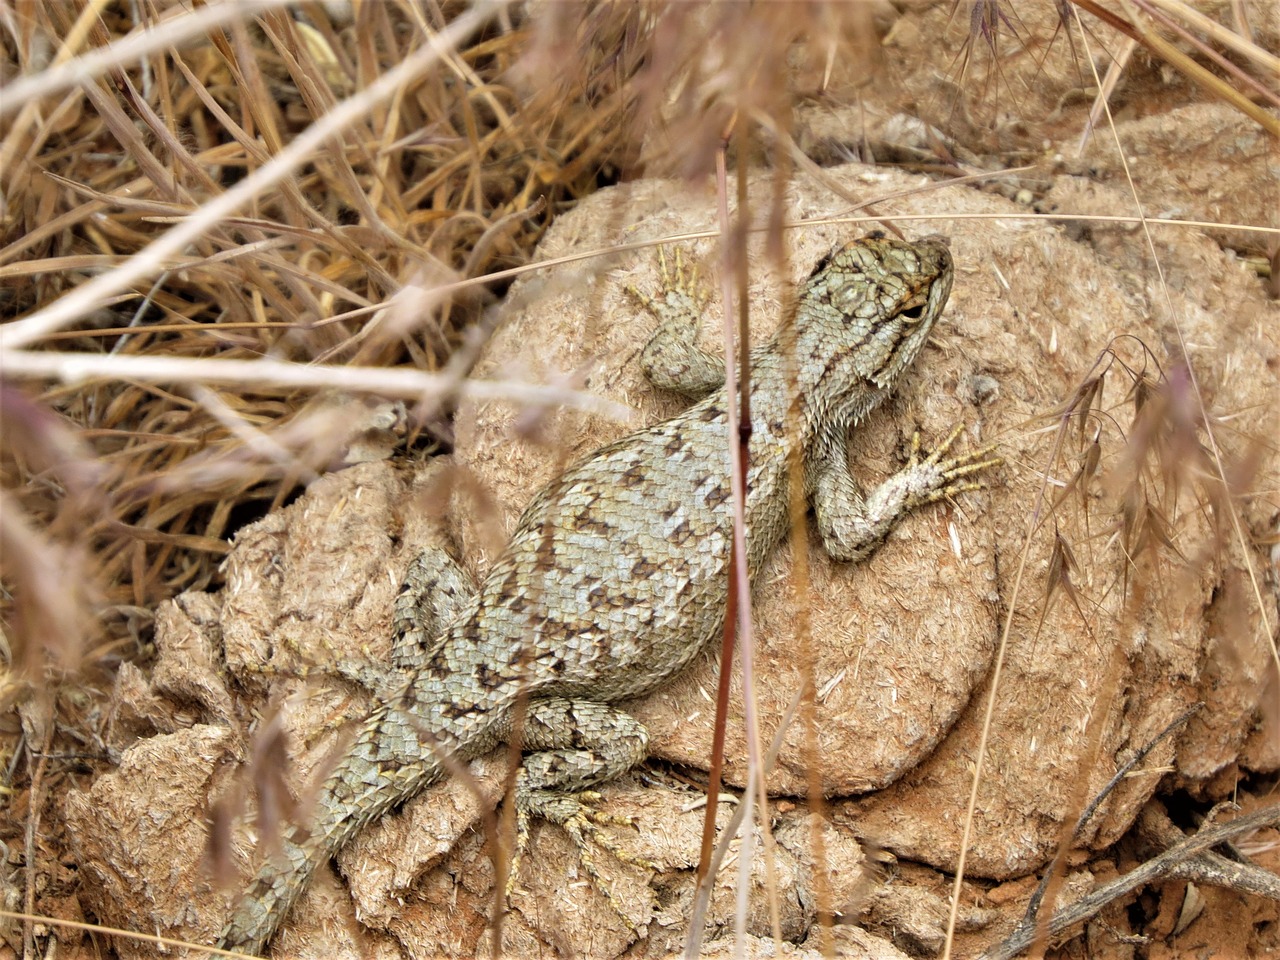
{"points": [[615, 577]]}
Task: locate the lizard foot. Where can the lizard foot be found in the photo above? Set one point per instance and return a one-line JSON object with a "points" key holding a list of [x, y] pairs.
{"points": [[946, 478], [582, 819], [363, 671], [672, 359], [684, 283]]}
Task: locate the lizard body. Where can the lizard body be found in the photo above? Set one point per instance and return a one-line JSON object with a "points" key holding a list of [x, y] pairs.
{"points": [[615, 577]]}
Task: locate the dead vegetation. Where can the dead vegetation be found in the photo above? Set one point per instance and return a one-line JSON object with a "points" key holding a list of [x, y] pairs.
{"points": [[233, 261]]}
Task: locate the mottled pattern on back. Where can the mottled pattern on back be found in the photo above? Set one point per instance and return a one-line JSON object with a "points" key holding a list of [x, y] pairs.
{"points": [[630, 543]]}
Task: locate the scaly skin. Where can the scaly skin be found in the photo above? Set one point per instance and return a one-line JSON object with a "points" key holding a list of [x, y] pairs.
{"points": [[615, 577]]}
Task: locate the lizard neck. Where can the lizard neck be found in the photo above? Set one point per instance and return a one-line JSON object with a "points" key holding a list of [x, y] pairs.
{"points": [[823, 387]]}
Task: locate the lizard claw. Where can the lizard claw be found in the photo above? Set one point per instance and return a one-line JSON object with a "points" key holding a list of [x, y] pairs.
{"points": [[950, 473], [582, 819], [682, 281]]}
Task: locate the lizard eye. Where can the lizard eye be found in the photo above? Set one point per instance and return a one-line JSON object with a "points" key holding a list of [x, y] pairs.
{"points": [[914, 313]]}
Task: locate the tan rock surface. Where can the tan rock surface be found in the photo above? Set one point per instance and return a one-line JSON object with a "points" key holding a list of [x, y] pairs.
{"points": [[900, 643]]}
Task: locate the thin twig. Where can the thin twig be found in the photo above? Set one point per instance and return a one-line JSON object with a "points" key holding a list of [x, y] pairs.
{"points": [[1033, 905], [1207, 867], [1155, 868], [278, 374], [154, 257], [86, 68]]}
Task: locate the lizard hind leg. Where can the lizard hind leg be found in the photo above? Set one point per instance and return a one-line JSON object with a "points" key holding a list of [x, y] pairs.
{"points": [[435, 592], [574, 745]]}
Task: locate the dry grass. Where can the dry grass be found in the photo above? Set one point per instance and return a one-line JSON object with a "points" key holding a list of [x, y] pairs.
{"points": [[210, 244]]}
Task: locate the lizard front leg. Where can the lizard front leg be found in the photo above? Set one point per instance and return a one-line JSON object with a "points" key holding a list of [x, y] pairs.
{"points": [[672, 359], [853, 525]]}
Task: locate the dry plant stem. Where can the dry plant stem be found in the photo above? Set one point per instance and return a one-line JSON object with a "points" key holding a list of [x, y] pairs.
{"points": [[1168, 53], [1040, 218], [1213, 869], [738, 609], [1242, 541], [256, 440], [1206, 867], [1115, 70], [1218, 33], [1223, 64], [1028, 920], [1152, 870], [292, 192], [1210, 82], [1233, 41], [154, 256], [717, 745], [37, 568], [98, 929], [738, 247], [697, 920], [739, 423], [739, 469], [66, 73], [388, 382]]}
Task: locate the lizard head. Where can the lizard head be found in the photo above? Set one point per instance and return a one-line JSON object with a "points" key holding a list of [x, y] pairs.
{"points": [[874, 301]]}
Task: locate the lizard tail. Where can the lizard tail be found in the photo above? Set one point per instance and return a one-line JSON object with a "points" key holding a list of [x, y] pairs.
{"points": [[387, 764], [264, 904]]}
